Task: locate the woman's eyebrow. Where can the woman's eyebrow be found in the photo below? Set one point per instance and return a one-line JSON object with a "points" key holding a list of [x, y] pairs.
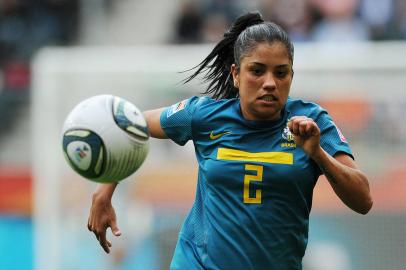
{"points": [[257, 63]]}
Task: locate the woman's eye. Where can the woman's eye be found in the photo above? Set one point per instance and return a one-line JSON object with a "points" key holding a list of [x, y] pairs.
{"points": [[256, 71], [281, 73]]}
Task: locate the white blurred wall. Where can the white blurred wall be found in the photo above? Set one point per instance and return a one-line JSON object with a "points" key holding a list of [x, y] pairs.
{"points": [[128, 22]]}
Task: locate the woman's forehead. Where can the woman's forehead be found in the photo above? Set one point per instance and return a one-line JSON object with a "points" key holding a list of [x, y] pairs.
{"points": [[267, 52]]}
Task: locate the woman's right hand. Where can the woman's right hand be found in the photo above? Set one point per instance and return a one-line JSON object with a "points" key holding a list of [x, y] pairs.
{"points": [[102, 215]]}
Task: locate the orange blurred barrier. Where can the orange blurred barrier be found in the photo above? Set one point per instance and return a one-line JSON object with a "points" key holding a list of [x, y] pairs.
{"points": [[15, 191], [351, 114], [389, 189]]}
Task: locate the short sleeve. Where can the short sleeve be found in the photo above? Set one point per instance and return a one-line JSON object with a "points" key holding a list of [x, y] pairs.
{"points": [[176, 120], [331, 139]]}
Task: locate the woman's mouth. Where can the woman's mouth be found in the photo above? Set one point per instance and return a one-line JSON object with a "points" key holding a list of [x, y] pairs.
{"points": [[268, 98]]}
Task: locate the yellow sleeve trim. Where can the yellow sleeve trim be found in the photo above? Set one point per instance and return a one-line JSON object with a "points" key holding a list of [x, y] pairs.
{"points": [[266, 157]]}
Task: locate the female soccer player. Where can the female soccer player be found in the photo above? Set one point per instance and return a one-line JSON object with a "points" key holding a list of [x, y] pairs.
{"points": [[259, 152]]}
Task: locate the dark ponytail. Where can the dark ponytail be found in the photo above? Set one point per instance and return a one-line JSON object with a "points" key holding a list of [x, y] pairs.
{"points": [[217, 65], [243, 36]]}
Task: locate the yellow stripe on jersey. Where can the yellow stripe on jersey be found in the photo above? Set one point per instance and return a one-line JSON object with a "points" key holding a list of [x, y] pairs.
{"points": [[267, 157]]}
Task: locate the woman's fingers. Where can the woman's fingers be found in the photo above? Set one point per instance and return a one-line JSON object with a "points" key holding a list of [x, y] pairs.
{"points": [[302, 126], [100, 229], [114, 228], [102, 216], [103, 241]]}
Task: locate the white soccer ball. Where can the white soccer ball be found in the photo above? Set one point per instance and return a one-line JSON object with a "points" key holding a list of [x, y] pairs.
{"points": [[105, 138]]}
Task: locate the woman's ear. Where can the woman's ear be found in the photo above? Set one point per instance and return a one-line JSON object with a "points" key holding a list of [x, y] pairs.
{"points": [[236, 77]]}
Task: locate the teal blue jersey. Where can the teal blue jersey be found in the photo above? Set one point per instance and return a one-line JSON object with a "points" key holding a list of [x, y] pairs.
{"points": [[255, 185]]}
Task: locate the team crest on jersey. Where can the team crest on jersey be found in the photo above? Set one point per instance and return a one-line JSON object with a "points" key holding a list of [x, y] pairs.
{"points": [[287, 136], [176, 108]]}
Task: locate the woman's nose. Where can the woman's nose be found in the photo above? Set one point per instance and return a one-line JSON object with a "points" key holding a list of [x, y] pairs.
{"points": [[269, 82]]}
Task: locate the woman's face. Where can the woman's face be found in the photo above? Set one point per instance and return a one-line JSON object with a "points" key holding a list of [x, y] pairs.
{"points": [[263, 81]]}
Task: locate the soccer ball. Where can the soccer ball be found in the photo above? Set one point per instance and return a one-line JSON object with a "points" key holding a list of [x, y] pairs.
{"points": [[105, 138]]}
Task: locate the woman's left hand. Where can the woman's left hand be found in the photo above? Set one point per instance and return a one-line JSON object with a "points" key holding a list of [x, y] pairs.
{"points": [[306, 134]]}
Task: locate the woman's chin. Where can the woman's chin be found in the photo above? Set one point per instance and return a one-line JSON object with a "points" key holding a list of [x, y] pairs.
{"points": [[268, 115]]}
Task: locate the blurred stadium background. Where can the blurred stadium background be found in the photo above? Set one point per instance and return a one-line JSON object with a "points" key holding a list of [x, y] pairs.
{"points": [[350, 57]]}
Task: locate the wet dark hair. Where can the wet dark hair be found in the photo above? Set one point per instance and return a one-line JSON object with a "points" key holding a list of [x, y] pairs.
{"points": [[246, 32]]}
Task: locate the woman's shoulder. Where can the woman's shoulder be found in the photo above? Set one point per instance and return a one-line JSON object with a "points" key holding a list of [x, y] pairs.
{"points": [[209, 102], [303, 107], [204, 109]]}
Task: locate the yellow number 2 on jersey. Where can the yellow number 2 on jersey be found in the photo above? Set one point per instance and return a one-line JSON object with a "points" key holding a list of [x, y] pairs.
{"points": [[249, 178]]}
